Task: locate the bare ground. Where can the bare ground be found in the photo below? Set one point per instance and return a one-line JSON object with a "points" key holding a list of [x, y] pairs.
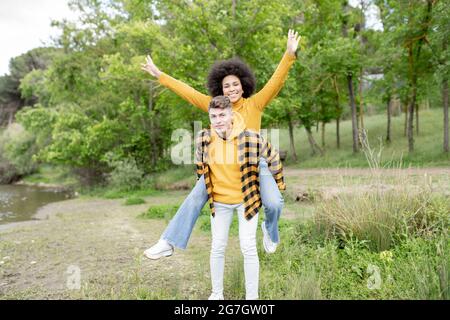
{"points": [[104, 240]]}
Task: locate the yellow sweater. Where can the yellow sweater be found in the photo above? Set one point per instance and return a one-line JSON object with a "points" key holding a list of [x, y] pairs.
{"points": [[249, 108], [224, 166]]}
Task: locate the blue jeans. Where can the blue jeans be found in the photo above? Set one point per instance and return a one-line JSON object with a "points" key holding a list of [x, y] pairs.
{"points": [[180, 227]]}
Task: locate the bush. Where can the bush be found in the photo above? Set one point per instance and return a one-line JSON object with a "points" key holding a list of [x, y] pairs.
{"points": [[384, 218], [17, 146], [126, 175]]}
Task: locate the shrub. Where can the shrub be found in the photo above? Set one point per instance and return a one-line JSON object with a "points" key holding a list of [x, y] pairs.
{"points": [[384, 218], [126, 175]]}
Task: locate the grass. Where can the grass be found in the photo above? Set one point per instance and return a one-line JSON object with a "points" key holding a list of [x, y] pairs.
{"points": [[134, 201], [428, 144], [383, 218]]}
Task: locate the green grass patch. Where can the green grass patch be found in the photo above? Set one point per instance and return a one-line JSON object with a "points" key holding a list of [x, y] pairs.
{"points": [[134, 201], [167, 211]]}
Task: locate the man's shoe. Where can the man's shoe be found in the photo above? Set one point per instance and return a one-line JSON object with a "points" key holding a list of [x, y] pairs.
{"points": [[215, 296], [161, 249], [269, 245]]}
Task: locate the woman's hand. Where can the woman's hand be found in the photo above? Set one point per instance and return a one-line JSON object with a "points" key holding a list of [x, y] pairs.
{"points": [[292, 41], [150, 67]]}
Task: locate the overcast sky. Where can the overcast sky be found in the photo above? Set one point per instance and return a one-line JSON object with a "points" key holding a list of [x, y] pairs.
{"points": [[25, 24]]}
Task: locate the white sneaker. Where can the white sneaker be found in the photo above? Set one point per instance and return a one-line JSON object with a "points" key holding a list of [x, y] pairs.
{"points": [[269, 245], [215, 296], [161, 249]]}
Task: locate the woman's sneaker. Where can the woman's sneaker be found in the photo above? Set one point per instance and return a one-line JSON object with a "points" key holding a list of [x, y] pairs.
{"points": [[161, 249], [269, 246]]}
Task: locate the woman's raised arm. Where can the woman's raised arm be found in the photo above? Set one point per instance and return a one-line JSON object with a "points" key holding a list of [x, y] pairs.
{"points": [[276, 82], [183, 90]]}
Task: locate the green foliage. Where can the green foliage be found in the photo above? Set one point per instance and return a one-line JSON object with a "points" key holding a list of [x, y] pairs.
{"points": [[160, 212], [307, 266], [17, 146], [134, 201], [89, 96], [125, 176]]}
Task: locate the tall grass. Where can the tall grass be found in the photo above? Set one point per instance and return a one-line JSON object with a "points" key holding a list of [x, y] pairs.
{"points": [[384, 218], [385, 214], [383, 241]]}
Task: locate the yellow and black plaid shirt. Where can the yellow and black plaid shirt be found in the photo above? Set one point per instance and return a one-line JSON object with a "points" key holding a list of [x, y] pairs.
{"points": [[251, 146]]}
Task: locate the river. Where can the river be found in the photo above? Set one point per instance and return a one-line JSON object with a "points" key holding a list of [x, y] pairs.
{"points": [[21, 202]]}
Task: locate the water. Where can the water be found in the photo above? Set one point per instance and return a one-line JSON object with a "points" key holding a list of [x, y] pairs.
{"points": [[20, 203]]}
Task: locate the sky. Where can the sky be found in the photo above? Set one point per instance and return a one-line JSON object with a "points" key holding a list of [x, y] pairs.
{"points": [[25, 24]]}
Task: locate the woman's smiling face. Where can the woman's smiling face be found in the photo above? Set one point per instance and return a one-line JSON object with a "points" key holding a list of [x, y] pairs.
{"points": [[232, 88]]}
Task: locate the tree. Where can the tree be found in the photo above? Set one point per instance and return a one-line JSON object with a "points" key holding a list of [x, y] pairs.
{"points": [[409, 22]]}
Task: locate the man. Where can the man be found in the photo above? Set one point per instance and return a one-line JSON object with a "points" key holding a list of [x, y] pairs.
{"points": [[227, 157]]}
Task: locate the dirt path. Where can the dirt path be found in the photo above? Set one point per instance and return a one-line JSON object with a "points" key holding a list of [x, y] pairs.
{"points": [[365, 172], [104, 241]]}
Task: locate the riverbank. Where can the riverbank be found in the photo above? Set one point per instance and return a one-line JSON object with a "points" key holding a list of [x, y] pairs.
{"points": [[55, 187]]}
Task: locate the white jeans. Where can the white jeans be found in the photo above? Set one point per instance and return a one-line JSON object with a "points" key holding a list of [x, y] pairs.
{"points": [[220, 225]]}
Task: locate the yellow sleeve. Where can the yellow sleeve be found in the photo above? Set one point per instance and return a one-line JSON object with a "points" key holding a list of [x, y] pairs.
{"points": [[261, 99], [186, 92]]}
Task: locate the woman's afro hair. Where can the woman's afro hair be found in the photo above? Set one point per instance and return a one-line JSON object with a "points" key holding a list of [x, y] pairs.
{"points": [[236, 67]]}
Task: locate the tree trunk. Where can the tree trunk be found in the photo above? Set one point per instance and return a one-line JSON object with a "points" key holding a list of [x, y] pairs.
{"points": [[417, 118], [323, 134], [10, 120], [338, 135], [405, 127], [412, 102], [353, 111], [389, 114], [361, 102], [411, 120], [338, 112], [291, 138], [445, 105], [314, 147]]}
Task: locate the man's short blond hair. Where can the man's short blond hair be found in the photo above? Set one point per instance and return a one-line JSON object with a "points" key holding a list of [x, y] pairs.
{"points": [[220, 102]]}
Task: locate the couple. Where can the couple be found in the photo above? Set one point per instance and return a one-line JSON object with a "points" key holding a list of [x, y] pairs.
{"points": [[242, 184]]}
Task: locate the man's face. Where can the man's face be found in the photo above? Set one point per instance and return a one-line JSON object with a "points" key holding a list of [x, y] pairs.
{"points": [[221, 120]]}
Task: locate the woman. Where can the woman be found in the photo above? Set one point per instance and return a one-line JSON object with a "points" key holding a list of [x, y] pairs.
{"points": [[234, 79]]}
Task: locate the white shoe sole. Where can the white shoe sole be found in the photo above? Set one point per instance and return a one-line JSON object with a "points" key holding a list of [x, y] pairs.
{"points": [[166, 253]]}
